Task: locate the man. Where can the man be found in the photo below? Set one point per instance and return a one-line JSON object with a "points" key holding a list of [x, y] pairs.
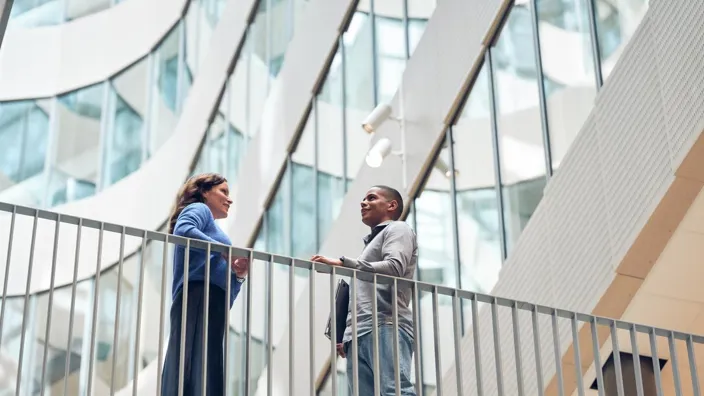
{"points": [[390, 249]]}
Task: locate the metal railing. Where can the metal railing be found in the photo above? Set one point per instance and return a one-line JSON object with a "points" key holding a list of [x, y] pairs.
{"points": [[97, 334]]}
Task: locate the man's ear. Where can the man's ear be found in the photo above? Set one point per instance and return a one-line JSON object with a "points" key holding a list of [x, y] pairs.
{"points": [[393, 205]]}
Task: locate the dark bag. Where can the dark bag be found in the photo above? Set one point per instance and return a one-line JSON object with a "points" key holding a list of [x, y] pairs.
{"points": [[342, 307]]}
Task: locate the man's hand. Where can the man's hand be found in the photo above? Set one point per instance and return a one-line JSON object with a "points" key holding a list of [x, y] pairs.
{"points": [[341, 351], [326, 260], [240, 266]]}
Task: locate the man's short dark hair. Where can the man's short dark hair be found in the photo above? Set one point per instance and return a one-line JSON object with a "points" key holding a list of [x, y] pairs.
{"points": [[392, 194]]}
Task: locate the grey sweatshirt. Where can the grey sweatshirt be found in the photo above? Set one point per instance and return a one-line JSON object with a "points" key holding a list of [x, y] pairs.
{"points": [[392, 250]]}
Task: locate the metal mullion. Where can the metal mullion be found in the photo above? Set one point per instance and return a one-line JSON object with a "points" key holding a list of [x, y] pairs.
{"points": [[497, 155], [596, 50], [374, 57], [449, 139], [5, 7], [542, 100], [316, 186], [406, 31], [343, 72]]}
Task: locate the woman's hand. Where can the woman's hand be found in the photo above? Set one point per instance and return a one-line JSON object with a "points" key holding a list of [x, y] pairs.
{"points": [[240, 266]]}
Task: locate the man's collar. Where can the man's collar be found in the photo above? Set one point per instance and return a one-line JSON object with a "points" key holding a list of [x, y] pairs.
{"points": [[375, 231]]}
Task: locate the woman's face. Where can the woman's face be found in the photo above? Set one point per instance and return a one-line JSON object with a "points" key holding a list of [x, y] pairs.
{"points": [[218, 200]]}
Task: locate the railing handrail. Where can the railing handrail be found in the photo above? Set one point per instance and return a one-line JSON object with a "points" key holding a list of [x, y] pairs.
{"points": [[418, 286]]}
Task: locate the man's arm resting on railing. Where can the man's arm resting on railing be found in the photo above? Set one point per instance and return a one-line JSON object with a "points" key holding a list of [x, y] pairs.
{"points": [[396, 250]]}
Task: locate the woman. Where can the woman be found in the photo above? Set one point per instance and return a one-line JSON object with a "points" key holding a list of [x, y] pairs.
{"points": [[201, 201]]}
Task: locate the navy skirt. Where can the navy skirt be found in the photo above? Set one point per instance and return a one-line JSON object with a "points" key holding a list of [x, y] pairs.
{"points": [[194, 355]]}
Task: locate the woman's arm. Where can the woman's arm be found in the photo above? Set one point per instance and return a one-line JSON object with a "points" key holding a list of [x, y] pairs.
{"points": [[192, 221]]}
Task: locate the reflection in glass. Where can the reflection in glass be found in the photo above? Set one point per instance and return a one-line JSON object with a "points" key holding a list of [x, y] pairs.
{"points": [[616, 24], [475, 185], [171, 81], [24, 132], [391, 55], [330, 148], [79, 124], [123, 151], [566, 55], [522, 155], [434, 224], [303, 194]]}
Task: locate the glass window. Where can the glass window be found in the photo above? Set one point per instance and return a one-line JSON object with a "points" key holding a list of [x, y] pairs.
{"points": [[164, 92], [476, 195], [434, 222], [24, 132], [35, 13], [331, 141], [303, 210], [616, 24], [275, 219], [359, 88], [568, 68], [124, 143], [74, 172], [522, 156]]}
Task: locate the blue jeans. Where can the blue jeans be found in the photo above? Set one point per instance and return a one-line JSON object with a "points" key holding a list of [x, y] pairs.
{"points": [[365, 354]]}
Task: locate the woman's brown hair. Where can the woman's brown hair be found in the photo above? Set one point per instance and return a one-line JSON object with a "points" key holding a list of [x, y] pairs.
{"points": [[192, 192]]}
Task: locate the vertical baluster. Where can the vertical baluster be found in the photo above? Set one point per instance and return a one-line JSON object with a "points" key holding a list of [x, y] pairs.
{"points": [[597, 358], [116, 334], [184, 317], [536, 347], [138, 326], [416, 340], [558, 354], [162, 315], [675, 363], [74, 284], [577, 354], [355, 351], [617, 359], [477, 346], [206, 318], [457, 333], [291, 325], [96, 300], [50, 304], [26, 302], [270, 326], [517, 347], [497, 348], [436, 340], [375, 339], [636, 360], [656, 361], [397, 355], [693, 366], [7, 270], [248, 343], [311, 328], [333, 334], [226, 346]]}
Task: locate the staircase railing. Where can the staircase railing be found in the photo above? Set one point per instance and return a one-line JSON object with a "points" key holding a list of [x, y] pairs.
{"points": [[105, 330]]}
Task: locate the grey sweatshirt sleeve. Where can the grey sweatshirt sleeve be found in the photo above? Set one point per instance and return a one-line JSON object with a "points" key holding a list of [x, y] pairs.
{"points": [[396, 250]]}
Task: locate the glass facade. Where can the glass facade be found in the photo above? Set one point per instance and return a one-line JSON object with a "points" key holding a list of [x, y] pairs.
{"points": [[35, 13], [365, 70], [529, 100], [78, 143], [240, 109]]}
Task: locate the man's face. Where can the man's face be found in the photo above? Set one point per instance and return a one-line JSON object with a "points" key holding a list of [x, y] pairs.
{"points": [[376, 207]]}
